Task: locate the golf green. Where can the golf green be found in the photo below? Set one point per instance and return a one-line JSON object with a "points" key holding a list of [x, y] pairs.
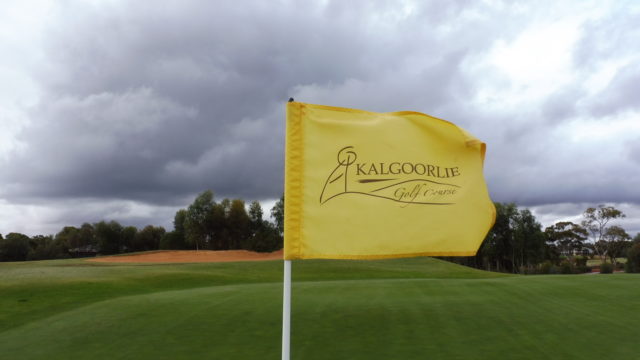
{"points": [[392, 309]]}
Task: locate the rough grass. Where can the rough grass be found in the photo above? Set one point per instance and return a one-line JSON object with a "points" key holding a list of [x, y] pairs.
{"points": [[392, 309]]}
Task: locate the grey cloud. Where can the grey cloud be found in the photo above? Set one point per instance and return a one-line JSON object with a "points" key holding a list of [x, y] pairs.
{"points": [[562, 105], [614, 35], [153, 104], [562, 173], [551, 213], [634, 150], [611, 41], [429, 88], [621, 94], [99, 144]]}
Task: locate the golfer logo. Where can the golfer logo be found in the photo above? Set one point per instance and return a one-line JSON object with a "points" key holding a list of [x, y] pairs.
{"points": [[419, 183]]}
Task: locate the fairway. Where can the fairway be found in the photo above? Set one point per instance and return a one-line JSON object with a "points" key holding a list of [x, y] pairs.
{"points": [[393, 309]]}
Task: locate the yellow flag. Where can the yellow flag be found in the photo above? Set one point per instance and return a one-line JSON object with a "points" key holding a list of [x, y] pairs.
{"points": [[364, 185]]}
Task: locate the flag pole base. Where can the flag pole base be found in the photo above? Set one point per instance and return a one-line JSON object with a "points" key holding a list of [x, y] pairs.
{"points": [[286, 311]]}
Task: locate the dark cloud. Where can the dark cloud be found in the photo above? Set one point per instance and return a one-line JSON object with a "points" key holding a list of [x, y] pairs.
{"points": [[152, 104]]}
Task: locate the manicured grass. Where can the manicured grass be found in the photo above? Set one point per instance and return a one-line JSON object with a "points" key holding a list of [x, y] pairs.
{"points": [[392, 309], [597, 262]]}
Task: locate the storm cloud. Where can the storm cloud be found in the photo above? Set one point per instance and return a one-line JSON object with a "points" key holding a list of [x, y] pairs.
{"points": [[137, 108]]}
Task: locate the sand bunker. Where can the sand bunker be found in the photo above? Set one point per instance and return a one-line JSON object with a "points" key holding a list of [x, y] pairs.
{"points": [[191, 256]]}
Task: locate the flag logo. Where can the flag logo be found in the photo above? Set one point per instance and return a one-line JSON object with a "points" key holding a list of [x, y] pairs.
{"points": [[403, 182]]}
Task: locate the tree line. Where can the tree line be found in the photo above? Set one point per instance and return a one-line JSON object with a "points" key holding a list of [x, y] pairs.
{"points": [[204, 224], [517, 243]]}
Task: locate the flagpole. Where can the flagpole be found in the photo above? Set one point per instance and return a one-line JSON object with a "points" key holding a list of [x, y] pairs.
{"points": [[286, 311]]}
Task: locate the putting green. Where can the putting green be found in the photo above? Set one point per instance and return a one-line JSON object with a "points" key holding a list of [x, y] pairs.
{"points": [[392, 309]]}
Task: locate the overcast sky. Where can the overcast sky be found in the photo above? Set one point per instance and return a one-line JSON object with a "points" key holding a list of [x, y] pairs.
{"points": [[126, 110]]}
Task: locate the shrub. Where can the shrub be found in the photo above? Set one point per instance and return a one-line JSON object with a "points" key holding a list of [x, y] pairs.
{"points": [[14, 247], [48, 251], [606, 268], [528, 270], [633, 259], [565, 267], [545, 267], [580, 261], [583, 269], [173, 240]]}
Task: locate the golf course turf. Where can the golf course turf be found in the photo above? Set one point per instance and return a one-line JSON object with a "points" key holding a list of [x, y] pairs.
{"points": [[419, 308]]}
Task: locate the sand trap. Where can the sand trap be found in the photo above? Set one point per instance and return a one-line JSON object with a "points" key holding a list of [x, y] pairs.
{"points": [[191, 256]]}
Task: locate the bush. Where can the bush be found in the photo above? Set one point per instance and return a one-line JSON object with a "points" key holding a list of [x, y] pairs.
{"points": [[173, 240], [528, 270], [583, 269], [14, 247], [633, 259], [548, 267], [565, 267], [580, 261], [48, 251], [545, 267], [606, 268]]}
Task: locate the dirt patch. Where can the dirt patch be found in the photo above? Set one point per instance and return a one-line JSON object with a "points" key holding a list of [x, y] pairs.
{"points": [[191, 256]]}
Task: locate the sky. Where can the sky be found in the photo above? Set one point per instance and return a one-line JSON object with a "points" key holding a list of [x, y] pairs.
{"points": [[126, 110]]}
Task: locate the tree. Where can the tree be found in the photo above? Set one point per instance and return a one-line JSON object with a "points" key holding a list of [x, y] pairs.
{"points": [[255, 214], [238, 222], [128, 238], [69, 237], [87, 236], [196, 222], [636, 239], [617, 242], [172, 241], [149, 238], [568, 238], [633, 258], [109, 237], [497, 251], [256, 225], [46, 247], [596, 221], [221, 238], [264, 236], [277, 212], [179, 221], [14, 247], [176, 239], [514, 244], [75, 240], [529, 240]]}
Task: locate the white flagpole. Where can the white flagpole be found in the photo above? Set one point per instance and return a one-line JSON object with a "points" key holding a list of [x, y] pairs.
{"points": [[286, 311]]}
